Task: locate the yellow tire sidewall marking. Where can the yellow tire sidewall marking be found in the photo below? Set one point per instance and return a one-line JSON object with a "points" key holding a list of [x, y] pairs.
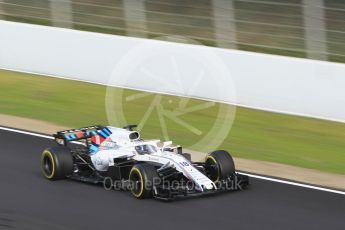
{"points": [[50, 155], [214, 160], [141, 180]]}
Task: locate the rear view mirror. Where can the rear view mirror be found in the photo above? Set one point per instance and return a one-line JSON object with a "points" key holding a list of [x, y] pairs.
{"points": [[166, 144]]}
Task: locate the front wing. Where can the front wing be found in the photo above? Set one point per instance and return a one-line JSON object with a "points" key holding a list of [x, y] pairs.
{"points": [[170, 192]]}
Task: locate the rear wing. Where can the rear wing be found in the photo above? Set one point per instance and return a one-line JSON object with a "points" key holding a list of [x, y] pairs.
{"points": [[65, 136]]}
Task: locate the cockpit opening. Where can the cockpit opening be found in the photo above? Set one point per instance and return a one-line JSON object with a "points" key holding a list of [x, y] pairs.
{"points": [[146, 149]]}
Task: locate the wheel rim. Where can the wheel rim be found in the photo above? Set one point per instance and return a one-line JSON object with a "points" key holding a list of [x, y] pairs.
{"points": [[48, 166], [212, 169], [136, 183]]}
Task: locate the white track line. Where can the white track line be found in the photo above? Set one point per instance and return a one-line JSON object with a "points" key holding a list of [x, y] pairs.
{"points": [[247, 174], [27, 133], [294, 183]]}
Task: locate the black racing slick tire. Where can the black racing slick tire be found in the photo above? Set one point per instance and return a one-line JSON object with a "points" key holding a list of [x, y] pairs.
{"points": [[219, 165], [57, 163], [143, 178]]}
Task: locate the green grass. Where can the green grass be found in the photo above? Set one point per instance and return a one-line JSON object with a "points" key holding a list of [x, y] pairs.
{"points": [[292, 140]]}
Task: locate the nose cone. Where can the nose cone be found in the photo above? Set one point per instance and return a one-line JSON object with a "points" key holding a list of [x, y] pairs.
{"points": [[208, 186]]}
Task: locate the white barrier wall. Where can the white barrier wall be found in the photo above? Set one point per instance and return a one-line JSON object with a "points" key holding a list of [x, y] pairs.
{"points": [[283, 84]]}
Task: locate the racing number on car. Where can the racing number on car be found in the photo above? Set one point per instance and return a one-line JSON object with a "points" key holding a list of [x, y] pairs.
{"points": [[184, 164]]}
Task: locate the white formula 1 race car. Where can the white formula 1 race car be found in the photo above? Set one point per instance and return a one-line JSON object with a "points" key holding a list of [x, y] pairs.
{"points": [[119, 158]]}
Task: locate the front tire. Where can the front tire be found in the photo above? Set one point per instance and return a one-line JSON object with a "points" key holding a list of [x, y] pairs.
{"points": [[219, 165], [57, 163], [142, 178]]}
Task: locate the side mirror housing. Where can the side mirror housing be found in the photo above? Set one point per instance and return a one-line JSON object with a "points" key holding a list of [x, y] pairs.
{"points": [[166, 144]]}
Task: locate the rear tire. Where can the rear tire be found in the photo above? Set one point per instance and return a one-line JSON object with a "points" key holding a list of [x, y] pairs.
{"points": [[219, 165], [57, 163], [142, 178]]}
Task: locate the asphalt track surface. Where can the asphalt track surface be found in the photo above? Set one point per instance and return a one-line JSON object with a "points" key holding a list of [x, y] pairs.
{"points": [[28, 201]]}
